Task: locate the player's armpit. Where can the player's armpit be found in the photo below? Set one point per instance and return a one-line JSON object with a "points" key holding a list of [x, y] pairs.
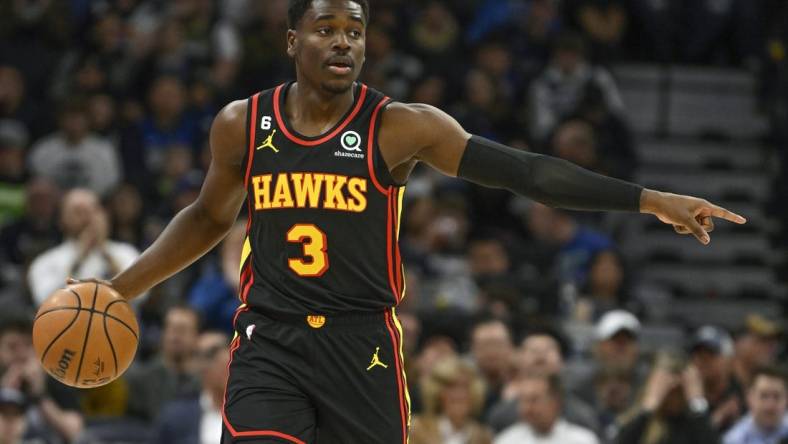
{"points": [[416, 131], [546, 179]]}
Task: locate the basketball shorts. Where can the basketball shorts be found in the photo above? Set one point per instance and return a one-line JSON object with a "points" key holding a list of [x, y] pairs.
{"points": [[324, 380]]}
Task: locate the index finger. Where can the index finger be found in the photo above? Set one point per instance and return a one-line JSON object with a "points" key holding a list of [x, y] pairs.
{"points": [[728, 215]]}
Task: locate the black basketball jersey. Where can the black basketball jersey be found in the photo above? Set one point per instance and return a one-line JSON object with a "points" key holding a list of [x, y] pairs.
{"points": [[323, 212]]}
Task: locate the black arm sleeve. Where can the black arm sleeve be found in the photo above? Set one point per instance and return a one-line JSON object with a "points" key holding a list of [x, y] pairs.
{"points": [[549, 180]]}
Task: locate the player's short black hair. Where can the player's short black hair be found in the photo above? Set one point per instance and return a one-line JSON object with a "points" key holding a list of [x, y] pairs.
{"points": [[297, 8]]}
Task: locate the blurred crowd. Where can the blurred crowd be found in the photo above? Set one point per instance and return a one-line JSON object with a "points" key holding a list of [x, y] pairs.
{"points": [[522, 323]]}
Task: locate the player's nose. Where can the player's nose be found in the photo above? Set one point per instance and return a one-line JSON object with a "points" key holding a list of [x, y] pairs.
{"points": [[341, 42]]}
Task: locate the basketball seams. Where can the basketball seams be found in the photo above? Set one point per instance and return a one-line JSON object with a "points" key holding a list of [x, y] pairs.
{"points": [[87, 334], [106, 309], [109, 341], [78, 309], [113, 317]]}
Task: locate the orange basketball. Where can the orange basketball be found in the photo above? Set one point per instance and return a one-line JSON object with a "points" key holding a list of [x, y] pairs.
{"points": [[85, 335]]}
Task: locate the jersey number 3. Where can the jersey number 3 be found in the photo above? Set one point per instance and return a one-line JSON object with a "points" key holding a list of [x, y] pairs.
{"points": [[315, 260]]}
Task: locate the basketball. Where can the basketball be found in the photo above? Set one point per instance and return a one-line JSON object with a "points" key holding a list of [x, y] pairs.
{"points": [[85, 335]]}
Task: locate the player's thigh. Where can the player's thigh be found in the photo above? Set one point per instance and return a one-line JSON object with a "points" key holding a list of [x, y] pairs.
{"points": [[362, 396], [263, 399]]}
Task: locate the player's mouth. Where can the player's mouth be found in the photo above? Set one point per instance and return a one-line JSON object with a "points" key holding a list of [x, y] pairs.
{"points": [[340, 66]]}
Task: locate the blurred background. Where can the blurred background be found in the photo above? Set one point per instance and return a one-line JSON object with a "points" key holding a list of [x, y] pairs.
{"points": [[520, 320]]}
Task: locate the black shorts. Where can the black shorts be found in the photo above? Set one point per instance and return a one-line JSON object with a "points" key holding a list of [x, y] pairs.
{"points": [[316, 380]]}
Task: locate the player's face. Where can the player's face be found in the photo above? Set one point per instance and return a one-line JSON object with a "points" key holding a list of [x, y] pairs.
{"points": [[328, 44]]}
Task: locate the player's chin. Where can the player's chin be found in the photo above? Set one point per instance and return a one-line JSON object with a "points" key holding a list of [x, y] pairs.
{"points": [[338, 86]]}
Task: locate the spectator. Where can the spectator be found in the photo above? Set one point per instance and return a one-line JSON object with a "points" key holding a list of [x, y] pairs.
{"points": [[388, 69], [171, 373], [169, 123], [540, 400], [756, 346], [711, 351], [575, 141], [534, 31], [15, 103], [558, 91], [74, 157], [35, 232], [577, 243], [453, 395], [490, 268], [614, 141], [435, 349], [480, 112], [616, 345], [435, 34], [542, 352], [492, 348], [605, 288], [198, 419], [767, 422], [13, 142], [215, 295], [210, 41], [613, 394], [52, 410], [86, 250], [126, 215], [14, 421], [604, 23], [671, 409]]}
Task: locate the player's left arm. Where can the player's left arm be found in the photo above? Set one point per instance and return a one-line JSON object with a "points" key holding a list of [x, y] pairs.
{"points": [[417, 132]]}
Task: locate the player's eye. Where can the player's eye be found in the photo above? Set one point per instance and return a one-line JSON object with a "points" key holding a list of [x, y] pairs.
{"points": [[324, 31], [355, 34]]}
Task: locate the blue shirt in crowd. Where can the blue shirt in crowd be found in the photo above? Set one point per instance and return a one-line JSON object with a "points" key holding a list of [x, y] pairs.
{"points": [[747, 432]]}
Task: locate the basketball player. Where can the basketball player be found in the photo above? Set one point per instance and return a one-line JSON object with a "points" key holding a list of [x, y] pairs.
{"points": [[321, 164]]}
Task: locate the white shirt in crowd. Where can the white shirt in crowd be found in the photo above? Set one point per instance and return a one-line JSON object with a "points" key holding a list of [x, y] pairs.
{"points": [[92, 163], [210, 422], [49, 271], [562, 433]]}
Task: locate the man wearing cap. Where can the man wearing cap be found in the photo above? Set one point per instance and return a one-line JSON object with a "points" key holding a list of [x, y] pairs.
{"points": [[711, 351], [756, 346], [616, 345], [767, 422]]}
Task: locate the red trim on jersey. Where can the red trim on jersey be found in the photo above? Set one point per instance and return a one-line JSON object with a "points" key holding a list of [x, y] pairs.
{"points": [[280, 121], [245, 293], [240, 310], [233, 347], [371, 145], [252, 134], [402, 404], [245, 275], [389, 254]]}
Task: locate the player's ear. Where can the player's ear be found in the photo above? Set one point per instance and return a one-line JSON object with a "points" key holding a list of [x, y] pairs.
{"points": [[291, 42]]}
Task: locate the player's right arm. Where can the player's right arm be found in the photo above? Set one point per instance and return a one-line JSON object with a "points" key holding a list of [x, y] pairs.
{"points": [[199, 227], [410, 133]]}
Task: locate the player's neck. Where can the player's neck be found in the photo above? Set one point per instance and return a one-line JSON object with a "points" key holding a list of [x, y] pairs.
{"points": [[315, 110]]}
